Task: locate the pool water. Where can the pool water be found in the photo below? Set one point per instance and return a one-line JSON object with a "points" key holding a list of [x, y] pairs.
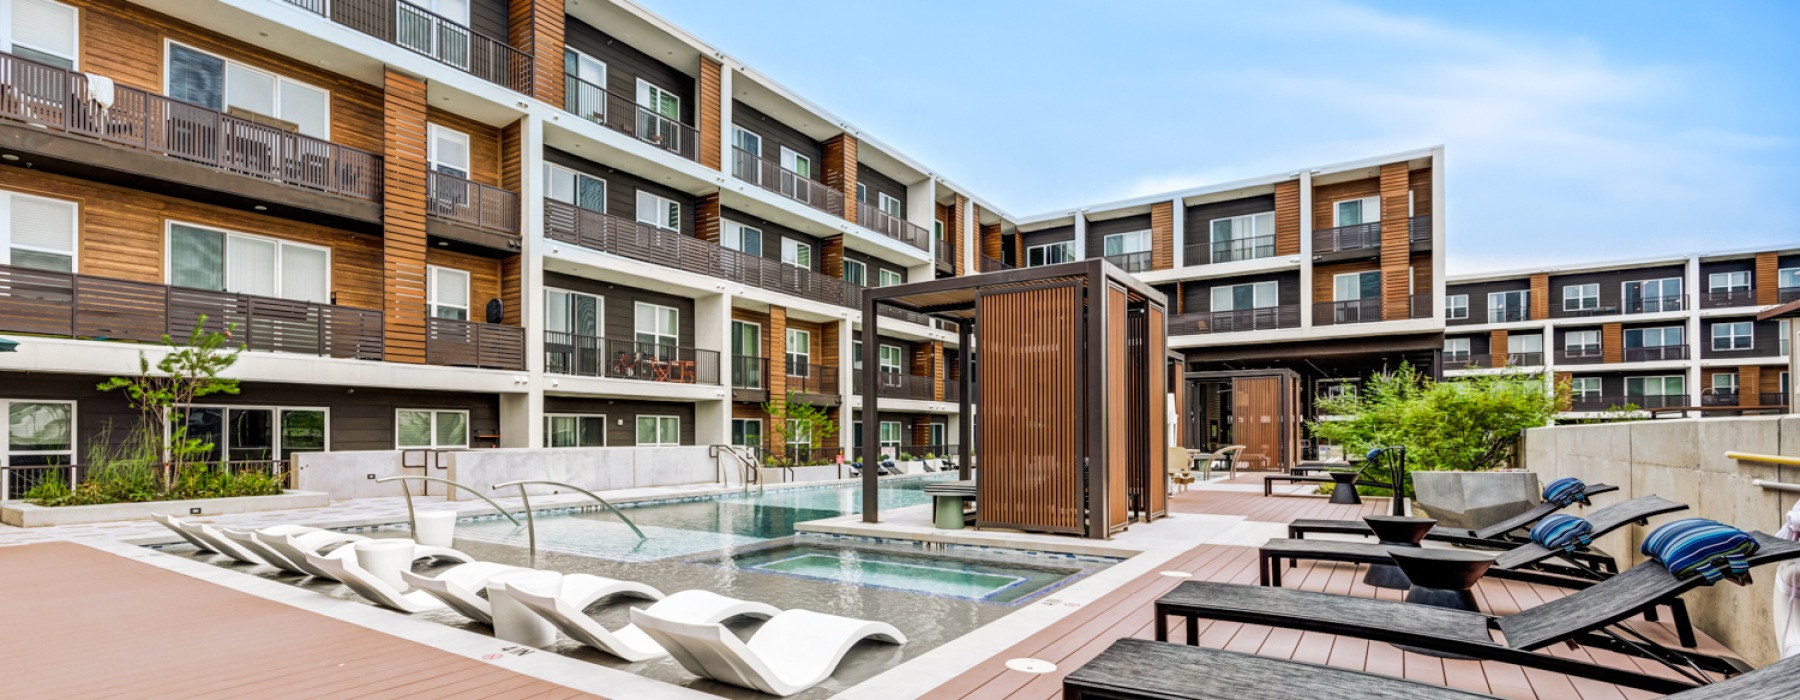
{"points": [[987, 581]]}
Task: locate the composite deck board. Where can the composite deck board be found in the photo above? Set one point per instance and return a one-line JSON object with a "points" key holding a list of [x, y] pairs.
{"points": [[203, 640]]}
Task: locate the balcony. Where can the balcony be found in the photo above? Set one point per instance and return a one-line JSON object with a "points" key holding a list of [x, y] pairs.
{"points": [[1354, 237], [1418, 231], [486, 209], [630, 239], [1240, 320], [1207, 252], [749, 378], [1131, 262], [874, 219], [1463, 360], [895, 385], [624, 115], [1582, 355], [468, 344], [1420, 306], [991, 265], [813, 380], [1651, 305], [1508, 314], [946, 257], [1726, 298], [771, 176], [1333, 313], [66, 305], [1656, 353], [1773, 399], [1715, 397], [952, 389], [1787, 294], [594, 356], [430, 35]]}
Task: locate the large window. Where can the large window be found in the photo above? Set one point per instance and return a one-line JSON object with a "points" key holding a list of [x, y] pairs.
{"points": [[744, 239], [428, 428], [1653, 337], [1508, 306], [38, 433], [1456, 306], [657, 102], [577, 188], [1525, 349], [447, 288], [746, 342], [447, 151], [889, 205], [587, 100], [657, 329], [796, 253], [799, 352], [1050, 254], [658, 431], [1584, 387], [228, 86], [574, 313], [37, 232], [226, 261], [1581, 344], [660, 212], [1456, 349], [1788, 278], [888, 278], [1351, 212], [1355, 286], [1126, 243], [1650, 296], [856, 273], [1728, 282], [890, 437], [892, 358], [1736, 335], [42, 31], [574, 430], [749, 142], [1243, 237], [1237, 297], [747, 432], [1671, 385], [1581, 297], [1725, 383]]}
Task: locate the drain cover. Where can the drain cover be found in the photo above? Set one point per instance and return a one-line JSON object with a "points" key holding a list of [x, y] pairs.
{"points": [[1030, 665], [1177, 574]]}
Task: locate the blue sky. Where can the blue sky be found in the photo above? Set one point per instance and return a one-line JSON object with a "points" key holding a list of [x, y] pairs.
{"points": [[1573, 131]]}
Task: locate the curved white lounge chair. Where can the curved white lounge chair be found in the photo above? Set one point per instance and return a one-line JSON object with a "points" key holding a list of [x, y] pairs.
{"points": [[630, 642], [174, 526], [458, 586], [218, 542], [345, 570], [793, 651], [312, 540], [298, 551]]}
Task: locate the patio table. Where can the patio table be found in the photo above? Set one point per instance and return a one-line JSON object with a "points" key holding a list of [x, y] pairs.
{"points": [[1442, 577], [1395, 531], [1343, 491]]}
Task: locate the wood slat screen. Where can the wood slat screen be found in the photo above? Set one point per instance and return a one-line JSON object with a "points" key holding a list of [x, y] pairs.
{"points": [[1156, 376], [1030, 407], [1120, 410], [1256, 420]]}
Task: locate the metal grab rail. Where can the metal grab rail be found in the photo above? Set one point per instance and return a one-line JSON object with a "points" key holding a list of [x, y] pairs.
{"points": [[747, 462], [412, 520], [531, 520], [1770, 459]]}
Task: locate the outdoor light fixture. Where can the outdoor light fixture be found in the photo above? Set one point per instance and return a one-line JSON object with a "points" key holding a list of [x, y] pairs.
{"points": [[10, 156]]}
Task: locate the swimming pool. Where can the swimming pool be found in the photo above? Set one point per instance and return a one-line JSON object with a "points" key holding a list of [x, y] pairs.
{"points": [[999, 580]]}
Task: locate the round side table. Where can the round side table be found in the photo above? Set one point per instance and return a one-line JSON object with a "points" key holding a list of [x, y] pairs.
{"points": [[1395, 531], [1442, 577], [1343, 490]]}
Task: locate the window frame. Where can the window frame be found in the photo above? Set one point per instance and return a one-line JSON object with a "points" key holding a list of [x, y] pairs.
{"points": [[433, 285], [738, 433], [656, 332], [1569, 346], [224, 259], [1068, 248], [7, 453], [1661, 296], [884, 274], [435, 412], [1337, 284], [1713, 287], [568, 321], [1662, 381], [1337, 212], [1524, 303], [734, 237], [669, 208], [1461, 341], [881, 203], [1576, 384], [862, 274], [1581, 298], [578, 419], [225, 84], [1732, 337], [788, 340], [7, 246], [798, 246], [8, 42], [660, 424], [881, 359], [434, 161], [1450, 307], [1231, 292], [1733, 388], [1143, 236], [575, 178]]}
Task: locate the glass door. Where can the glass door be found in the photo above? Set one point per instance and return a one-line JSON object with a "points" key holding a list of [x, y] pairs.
{"points": [[746, 352]]}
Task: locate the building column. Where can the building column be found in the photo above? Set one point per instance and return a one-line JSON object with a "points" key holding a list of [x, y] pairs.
{"points": [[1304, 214], [712, 330], [961, 214], [524, 419], [536, 28], [1178, 232], [840, 171], [1081, 252], [1690, 303]]}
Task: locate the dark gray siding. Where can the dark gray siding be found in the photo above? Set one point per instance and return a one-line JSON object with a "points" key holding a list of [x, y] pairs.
{"points": [[622, 188], [619, 308], [489, 17], [1561, 340], [874, 264], [774, 233], [776, 135], [1612, 285], [1055, 234], [1197, 296], [1478, 297], [1097, 231], [617, 410], [626, 65], [874, 182], [1765, 336], [907, 348]]}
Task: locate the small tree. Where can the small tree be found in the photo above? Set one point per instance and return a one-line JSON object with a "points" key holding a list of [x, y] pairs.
{"points": [[185, 373], [794, 420]]}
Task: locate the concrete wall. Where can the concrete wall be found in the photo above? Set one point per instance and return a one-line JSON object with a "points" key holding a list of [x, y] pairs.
{"points": [[347, 475], [1684, 461]]}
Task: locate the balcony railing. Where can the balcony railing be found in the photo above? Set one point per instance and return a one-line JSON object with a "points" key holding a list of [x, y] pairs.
{"points": [[1418, 229], [946, 254], [1263, 319], [61, 304], [1208, 252], [1598, 403], [819, 380], [749, 373], [471, 203], [594, 356], [1582, 354], [1659, 401], [1773, 399], [952, 389], [1421, 306], [1330, 313], [1508, 314], [1131, 262], [1525, 359], [1787, 294], [1727, 298], [873, 218], [468, 344], [430, 35], [771, 176], [1651, 305], [625, 238], [1656, 353], [991, 265], [1352, 237], [897, 385], [624, 115], [1463, 360], [58, 99], [1714, 397]]}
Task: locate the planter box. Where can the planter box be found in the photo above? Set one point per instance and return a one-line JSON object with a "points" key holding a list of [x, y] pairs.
{"points": [[22, 514], [1474, 500]]}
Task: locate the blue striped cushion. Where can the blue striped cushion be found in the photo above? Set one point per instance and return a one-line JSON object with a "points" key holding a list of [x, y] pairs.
{"points": [[1565, 491], [1703, 547], [1564, 532]]}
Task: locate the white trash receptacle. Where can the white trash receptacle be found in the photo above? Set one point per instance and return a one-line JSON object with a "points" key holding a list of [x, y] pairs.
{"points": [[436, 527]]}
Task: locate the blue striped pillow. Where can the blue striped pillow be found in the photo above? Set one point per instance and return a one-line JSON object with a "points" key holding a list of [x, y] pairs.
{"points": [[1564, 532], [1704, 547], [1565, 491]]}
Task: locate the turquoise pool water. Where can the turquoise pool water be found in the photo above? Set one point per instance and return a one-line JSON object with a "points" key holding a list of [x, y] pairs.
{"points": [[986, 580]]}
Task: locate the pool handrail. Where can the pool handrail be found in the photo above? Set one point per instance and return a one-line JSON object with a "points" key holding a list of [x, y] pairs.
{"points": [[531, 520], [412, 520], [747, 463]]}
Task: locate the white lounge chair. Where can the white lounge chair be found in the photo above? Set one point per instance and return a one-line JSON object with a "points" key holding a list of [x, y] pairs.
{"points": [[345, 569], [300, 553], [313, 540], [174, 526], [793, 651], [630, 643], [218, 542], [458, 586]]}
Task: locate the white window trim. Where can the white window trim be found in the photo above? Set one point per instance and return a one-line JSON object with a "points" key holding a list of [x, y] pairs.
{"points": [[433, 132], [1578, 297], [1275, 296], [431, 290], [575, 176], [577, 417], [169, 253], [224, 95], [1366, 210], [1067, 245], [468, 429], [881, 202], [74, 252], [798, 247], [225, 446], [663, 205], [1358, 275], [860, 265], [1144, 234], [1599, 386], [6, 434], [758, 422], [1714, 287], [788, 342], [1525, 303], [637, 310], [1461, 346], [1662, 384], [882, 274], [1751, 336], [599, 310], [660, 437], [1720, 375], [657, 90], [1660, 297], [1449, 309], [734, 232], [6, 40], [899, 367]]}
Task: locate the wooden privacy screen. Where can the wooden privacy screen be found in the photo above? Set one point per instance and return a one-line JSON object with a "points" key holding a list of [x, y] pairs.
{"points": [[1120, 410], [1031, 408], [1256, 420], [1156, 445]]}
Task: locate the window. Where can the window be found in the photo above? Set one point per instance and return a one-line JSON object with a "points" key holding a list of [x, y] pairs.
{"points": [[856, 273], [224, 261], [1356, 285], [580, 189], [1126, 243], [1650, 296], [1525, 349], [1243, 237], [1581, 297], [1672, 385], [1456, 306], [422, 428], [658, 431], [891, 358], [750, 144], [1788, 278], [1338, 388], [799, 435], [42, 31], [889, 205], [1351, 212], [1725, 383], [889, 278], [746, 432], [1456, 349], [1581, 344], [1508, 306], [38, 232], [656, 329], [1727, 282], [890, 438], [448, 152], [744, 239], [934, 435], [37, 434], [255, 433], [1050, 254], [572, 312], [1238, 297], [796, 253], [799, 352], [420, 32], [1733, 336], [793, 162], [1653, 337], [660, 212], [1584, 387], [447, 290], [207, 80], [856, 354], [746, 342], [587, 93], [574, 430], [660, 119], [862, 192]]}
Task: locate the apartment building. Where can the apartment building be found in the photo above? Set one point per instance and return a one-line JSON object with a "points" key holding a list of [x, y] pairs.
{"points": [[1659, 333]]}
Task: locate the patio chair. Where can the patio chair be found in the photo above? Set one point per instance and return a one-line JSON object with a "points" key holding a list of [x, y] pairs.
{"points": [[313, 539], [174, 526], [1320, 474], [458, 587], [630, 642], [345, 570], [1481, 537], [1227, 456], [218, 542], [793, 651], [1131, 669], [1589, 616], [301, 555]]}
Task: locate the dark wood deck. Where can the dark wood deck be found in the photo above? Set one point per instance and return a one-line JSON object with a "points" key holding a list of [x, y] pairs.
{"points": [[70, 633], [1126, 612]]}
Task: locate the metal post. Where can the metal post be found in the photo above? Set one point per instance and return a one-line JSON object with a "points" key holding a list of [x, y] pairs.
{"points": [[871, 417], [966, 427]]}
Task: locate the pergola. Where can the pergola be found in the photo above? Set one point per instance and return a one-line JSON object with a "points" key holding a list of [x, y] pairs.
{"points": [[1072, 400]]}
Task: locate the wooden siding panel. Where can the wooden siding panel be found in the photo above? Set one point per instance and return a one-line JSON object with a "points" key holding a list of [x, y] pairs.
{"points": [[403, 218], [958, 232], [775, 338], [1539, 299], [1162, 236], [1324, 274], [1256, 410], [993, 242], [1117, 467], [712, 113], [1419, 183], [1156, 379], [1396, 298], [1612, 342], [1031, 379], [536, 27], [840, 170], [1326, 195], [1497, 348], [484, 144], [512, 289], [1287, 219], [1767, 279], [831, 259], [707, 225], [1749, 379]]}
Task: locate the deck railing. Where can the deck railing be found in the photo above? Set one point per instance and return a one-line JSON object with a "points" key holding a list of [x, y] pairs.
{"points": [[1352, 237], [897, 385], [873, 218], [1714, 397], [771, 176], [430, 35], [1784, 295], [1656, 304], [41, 302], [1582, 354], [991, 265], [471, 203], [59, 99], [468, 344], [819, 380], [1330, 313], [1421, 306], [1208, 252], [1131, 262], [1237, 321], [749, 372], [1418, 229], [595, 356], [1728, 298], [1657, 353], [624, 115]]}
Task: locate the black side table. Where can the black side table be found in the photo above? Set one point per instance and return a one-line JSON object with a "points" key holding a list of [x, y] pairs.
{"points": [[1442, 577], [1395, 531], [1343, 490]]}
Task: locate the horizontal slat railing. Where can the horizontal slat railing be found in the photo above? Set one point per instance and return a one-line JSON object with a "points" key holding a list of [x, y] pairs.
{"points": [[594, 356], [820, 380], [897, 385], [1352, 237], [991, 265], [79, 306], [467, 344], [1418, 229], [624, 115], [431, 35], [771, 176], [471, 203], [1208, 252], [873, 218], [1240, 320], [1729, 298], [58, 99]]}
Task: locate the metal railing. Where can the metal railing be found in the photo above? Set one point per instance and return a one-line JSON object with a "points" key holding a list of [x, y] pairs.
{"points": [[625, 238], [1657, 353], [467, 202], [457, 343], [1253, 248], [1658, 401], [1421, 306], [1651, 305], [1329, 313], [624, 115], [1509, 314], [431, 35], [595, 356], [897, 385], [1525, 359], [41, 302], [1583, 353], [945, 451], [818, 380], [771, 176], [991, 265], [873, 218], [531, 518], [749, 372], [952, 390], [58, 99], [1727, 298], [946, 254], [1268, 318], [1418, 229], [1715, 397], [1352, 237], [1131, 262], [1784, 295], [1768, 398], [18, 480], [1463, 360]]}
